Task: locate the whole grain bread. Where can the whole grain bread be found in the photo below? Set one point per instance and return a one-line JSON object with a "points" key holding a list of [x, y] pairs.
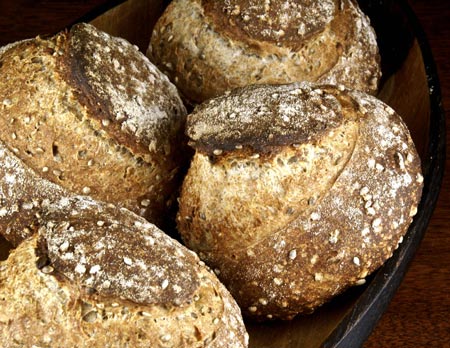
{"points": [[297, 192], [101, 276], [209, 46], [89, 112]]}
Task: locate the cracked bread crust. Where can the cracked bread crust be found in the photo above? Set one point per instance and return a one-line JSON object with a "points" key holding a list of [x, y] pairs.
{"points": [[101, 276], [79, 117], [207, 47], [288, 229]]}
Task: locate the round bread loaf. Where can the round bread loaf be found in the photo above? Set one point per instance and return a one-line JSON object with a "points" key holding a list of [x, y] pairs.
{"points": [[296, 192], [209, 46], [100, 276], [90, 113]]}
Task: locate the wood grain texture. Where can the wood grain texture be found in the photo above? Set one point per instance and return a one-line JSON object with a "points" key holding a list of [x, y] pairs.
{"points": [[419, 313]]}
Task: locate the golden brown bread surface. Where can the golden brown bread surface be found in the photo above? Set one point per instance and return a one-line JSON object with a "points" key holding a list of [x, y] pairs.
{"points": [[101, 276], [209, 46], [296, 192], [88, 112]]}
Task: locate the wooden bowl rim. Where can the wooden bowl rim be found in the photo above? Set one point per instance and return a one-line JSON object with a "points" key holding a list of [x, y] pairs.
{"points": [[359, 322], [357, 325]]}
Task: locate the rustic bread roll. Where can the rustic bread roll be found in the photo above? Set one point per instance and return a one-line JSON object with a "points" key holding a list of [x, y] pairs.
{"points": [[208, 46], [90, 113], [101, 276], [296, 192]]}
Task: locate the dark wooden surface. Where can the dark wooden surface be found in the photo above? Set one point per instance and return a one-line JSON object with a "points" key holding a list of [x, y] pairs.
{"points": [[419, 315]]}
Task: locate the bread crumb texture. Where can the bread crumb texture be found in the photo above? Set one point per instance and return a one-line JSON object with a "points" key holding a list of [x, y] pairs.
{"points": [[303, 192], [100, 276], [88, 112], [207, 47]]}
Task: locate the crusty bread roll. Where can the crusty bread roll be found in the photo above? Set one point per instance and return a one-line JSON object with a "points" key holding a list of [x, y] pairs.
{"points": [[209, 46], [101, 276], [88, 112], [296, 192]]}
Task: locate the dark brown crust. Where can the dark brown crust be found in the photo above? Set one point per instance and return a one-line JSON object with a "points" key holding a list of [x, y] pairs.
{"points": [[255, 117], [72, 66], [116, 253], [247, 20], [86, 60], [23, 195], [41, 305], [96, 275], [81, 222]]}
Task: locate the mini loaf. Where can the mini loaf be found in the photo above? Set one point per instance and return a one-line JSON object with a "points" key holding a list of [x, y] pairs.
{"points": [[100, 276], [88, 112], [209, 46], [296, 192]]}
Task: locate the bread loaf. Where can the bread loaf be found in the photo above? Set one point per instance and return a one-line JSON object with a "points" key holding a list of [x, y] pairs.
{"points": [[297, 192], [89, 113], [208, 46], [100, 276]]}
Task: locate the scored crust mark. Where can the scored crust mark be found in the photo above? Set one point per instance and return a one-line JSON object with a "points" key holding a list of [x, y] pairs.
{"points": [[286, 235], [117, 254], [272, 176], [131, 98], [263, 118], [361, 54], [284, 21], [49, 294], [207, 47]]}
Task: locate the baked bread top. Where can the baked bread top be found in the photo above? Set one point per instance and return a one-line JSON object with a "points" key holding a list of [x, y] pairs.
{"points": [[101, 276], [207, 47], [263, 119], [110, 250], [288, 208], [136, 104], [88, 112], [277, 22]]}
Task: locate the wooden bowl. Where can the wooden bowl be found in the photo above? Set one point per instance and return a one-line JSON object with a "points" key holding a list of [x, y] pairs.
{"points": [[409, 85]]}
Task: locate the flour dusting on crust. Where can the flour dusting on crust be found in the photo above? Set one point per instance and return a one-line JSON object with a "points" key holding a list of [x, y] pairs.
{"points": [[117, 253], [262, 116], [135, 93]]}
